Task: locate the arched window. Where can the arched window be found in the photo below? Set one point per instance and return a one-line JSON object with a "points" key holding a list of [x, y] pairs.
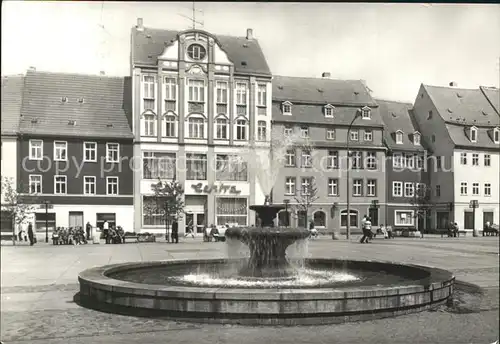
{"points": [[196, 128], [319, 219], [221, 130], [149, 125], [284, 218], [302, 216], [353, 218], [170, 124], [241, 129]]}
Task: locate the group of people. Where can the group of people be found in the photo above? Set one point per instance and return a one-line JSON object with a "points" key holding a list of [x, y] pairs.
{"points": [[366, 227], [27, 236], [69, 236]]}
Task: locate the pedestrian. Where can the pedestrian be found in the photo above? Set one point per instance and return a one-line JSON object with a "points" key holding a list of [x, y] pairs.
{"points": [[88, 229], [363, 229], [189, 230], [175, 231], [105, 231], [31, 236], [367, 231], [313, 231]]}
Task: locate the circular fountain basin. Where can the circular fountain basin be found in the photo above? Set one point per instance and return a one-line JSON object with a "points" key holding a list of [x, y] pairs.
{"points": [[343, 291]]}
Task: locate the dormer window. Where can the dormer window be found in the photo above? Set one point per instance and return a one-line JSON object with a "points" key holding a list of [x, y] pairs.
{"points": [[399, 137], [287, 108], [473, 134], [496, 135], [329, 111], [416, 138], [366, 113]]}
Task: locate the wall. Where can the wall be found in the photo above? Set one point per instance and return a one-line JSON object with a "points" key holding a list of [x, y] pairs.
{"points": [[9, 159]]}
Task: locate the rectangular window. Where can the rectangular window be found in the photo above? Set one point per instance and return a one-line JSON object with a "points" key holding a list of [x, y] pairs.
{"points": [[170, 89], [333, 159], [438, 190], [487, 189], [261, 95], [420, 162], [221, 131], [304, 132], [357, 187], [368, 135], [409, 189], [420, 189], [330, 134], [149, 124], [241, 93], [475, 159], [112, 185], [241, 129], [463, 188], [89, 185], [60, 185], [290, 186], [333, 187], [356, 159], [230, 168], [397, 189], [438, 162], [290, 158], [354, 135], [261, 131], [371, 187], [152, 210], [170, 123], [36, 149], [196, 165], [463, 158], [232, 211], [60, 151], [158, 165], [306, 158], [196, 90], [475, 188], [409, 161], [90, 151], [487, 160], [306, 185], [149, 92], [112, 152], [35, 184], [397, 161], [196, 128], [221, 92], [287, 131], [371, 160], [403, 218]]}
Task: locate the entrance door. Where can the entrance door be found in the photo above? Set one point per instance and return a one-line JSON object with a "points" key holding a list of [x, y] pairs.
{"points": [[468, 220], [200, 223], [189, 220], [373, 213], [75, 219]]}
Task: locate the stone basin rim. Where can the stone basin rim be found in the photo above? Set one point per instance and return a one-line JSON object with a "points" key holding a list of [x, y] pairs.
{"points": [[96, 278]]}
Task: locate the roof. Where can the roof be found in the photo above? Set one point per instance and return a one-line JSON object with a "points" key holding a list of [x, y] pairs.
{"points": [[484, 138], [493, 96], [398, 116], [463, 106], [103, 113], [12, 88], [148, 44], [347, 96]]}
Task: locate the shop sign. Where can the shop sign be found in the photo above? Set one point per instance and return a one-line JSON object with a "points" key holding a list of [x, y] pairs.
{"points": [[222, 188]]}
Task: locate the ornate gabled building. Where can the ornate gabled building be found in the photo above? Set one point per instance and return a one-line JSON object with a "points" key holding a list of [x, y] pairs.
{"points": [[197, 99], [328, 114], [461, 128], [407, 176], [75, 149]]}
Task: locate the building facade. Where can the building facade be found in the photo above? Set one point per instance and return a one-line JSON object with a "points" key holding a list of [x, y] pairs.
{"points": [[462, 129], [325, 114], [407, 177], [75, 150], [198, 101]]}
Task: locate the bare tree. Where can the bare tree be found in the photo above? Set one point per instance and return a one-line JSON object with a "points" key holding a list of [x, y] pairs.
{"points": [[168, 201], [308, 195], [421, 202], [13, 204]]}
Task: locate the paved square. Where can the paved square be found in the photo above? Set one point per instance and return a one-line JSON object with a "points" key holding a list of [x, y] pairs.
{"points": [[39, 283]]}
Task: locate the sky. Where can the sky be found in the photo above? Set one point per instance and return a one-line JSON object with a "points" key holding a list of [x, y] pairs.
{"points": [[394, 47]]}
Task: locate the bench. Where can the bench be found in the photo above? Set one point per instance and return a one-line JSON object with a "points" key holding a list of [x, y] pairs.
{"points": [[130, 237]]}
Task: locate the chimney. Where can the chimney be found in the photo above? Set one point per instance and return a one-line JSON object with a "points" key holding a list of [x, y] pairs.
{"points": [[102, 72], [249, 34], [140, 26], [32, 69], [326, 75], [453, 84]]}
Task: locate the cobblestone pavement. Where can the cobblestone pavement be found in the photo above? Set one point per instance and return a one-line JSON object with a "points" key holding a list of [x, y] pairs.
{"points": [[39, 283]]}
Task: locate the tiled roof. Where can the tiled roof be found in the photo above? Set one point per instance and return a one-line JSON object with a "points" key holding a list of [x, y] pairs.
{"points": [[12, 89], [397, 116], [246, 55], [493, 95], [484, 139], [463, 106], [321, 90], [309, 96], [103, 113]]}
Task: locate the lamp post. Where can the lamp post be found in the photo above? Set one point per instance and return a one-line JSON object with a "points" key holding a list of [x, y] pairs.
{"points": [[46, 203], [286, 201], [348, 224], [166, 220], [332, 215]]}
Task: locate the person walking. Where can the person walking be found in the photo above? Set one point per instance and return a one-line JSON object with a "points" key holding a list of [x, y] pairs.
{"points": [[189, 229], [175, 232], [363, 229], [88, 229], [367, 231], [31, 235], [105, 231]]}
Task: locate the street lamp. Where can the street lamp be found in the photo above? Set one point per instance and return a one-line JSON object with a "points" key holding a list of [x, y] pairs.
{"points": [[286, 201], [332, 215], [348, 224]]}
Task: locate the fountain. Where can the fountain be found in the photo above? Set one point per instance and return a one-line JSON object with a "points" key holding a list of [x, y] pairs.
{"points": [[265, 288]]}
